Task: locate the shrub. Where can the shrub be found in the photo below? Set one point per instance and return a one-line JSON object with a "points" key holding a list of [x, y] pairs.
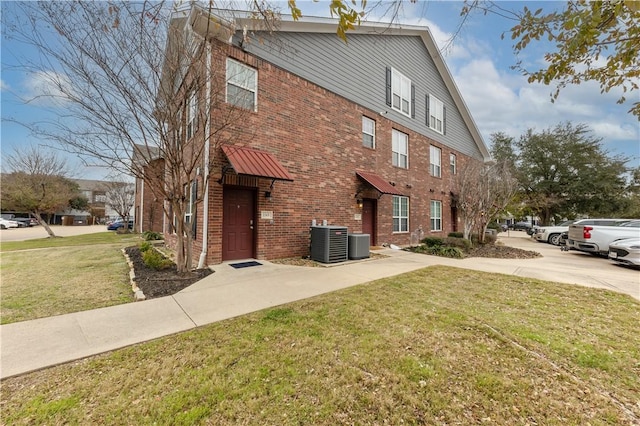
{"points": [[455, 235], [155, 260], [432, 242], [151, 236], [453, 252], [490, 238], [144, 246], [460, 243]]}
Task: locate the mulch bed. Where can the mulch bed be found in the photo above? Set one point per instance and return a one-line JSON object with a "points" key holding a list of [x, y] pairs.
{"points": [[162, 283], [502, 252]]}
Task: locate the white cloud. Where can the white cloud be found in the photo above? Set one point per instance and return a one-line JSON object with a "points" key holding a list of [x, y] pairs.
{"points": [[3, 86], [47, 88]]}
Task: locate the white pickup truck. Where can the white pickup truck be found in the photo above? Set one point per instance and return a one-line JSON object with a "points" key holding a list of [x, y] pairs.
{"points": [[596, 238]]}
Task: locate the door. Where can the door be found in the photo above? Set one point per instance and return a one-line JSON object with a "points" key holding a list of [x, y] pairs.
{"points": [[237, 224], [369, 219]]}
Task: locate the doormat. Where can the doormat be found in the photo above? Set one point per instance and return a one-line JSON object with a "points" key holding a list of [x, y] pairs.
{"points": [[245, 264]]}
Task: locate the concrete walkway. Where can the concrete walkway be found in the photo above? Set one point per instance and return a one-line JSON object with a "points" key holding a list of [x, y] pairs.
{"points": [[229, 292]]}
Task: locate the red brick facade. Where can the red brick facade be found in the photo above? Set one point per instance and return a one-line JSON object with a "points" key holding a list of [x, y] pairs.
{"points": [[317, 136]]}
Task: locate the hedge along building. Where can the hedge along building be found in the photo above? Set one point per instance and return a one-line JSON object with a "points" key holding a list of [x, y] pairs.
{"points": [[368, 134]]}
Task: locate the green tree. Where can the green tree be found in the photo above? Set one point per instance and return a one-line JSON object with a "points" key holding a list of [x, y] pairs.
{"points": [[565, 172], [592, 41], [37, 184]]}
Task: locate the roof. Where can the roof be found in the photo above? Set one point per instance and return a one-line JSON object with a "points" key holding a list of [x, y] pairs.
{"points": [[252, 162], [378, 183]]}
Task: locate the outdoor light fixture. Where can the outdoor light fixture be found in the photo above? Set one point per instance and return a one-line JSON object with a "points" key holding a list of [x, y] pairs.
{"points": [[267, 195], [359, 201]]}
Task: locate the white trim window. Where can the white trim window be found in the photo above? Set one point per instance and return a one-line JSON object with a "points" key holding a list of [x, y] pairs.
{"points": [[436, 114], [368, 132], [192, 113], [400, 149], [242, 85], [436, 215], [400, 92], [453, 165], [400, 214], [435, 161]]}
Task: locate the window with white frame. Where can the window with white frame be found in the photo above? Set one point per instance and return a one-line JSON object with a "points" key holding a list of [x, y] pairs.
{"points": [[452, 164], [435, 165], [436, 114], [242, 85], [368, 132], [400, 149], [191, 192], [192, 112], [400, 214], [401, 92], [436, 215]]}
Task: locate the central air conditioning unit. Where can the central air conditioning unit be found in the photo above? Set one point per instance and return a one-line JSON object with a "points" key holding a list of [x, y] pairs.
{"points": [[329, 244], [358, 246]]}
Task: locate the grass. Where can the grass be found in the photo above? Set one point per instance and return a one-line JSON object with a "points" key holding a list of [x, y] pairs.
{"points": [[46, 277], [436, 346]]}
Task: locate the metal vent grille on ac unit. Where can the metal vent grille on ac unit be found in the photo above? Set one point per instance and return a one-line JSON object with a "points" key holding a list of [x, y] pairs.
{"points": [[329, 244]]}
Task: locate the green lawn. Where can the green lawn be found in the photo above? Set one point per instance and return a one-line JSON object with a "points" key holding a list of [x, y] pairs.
{"points": [[436, 346], [47, 277]]}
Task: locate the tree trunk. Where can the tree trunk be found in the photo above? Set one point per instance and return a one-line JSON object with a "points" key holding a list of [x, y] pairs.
{"points": [[44, 224]]}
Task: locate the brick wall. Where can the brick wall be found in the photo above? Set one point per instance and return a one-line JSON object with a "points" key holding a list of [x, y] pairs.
{"points": [[317, 136]]}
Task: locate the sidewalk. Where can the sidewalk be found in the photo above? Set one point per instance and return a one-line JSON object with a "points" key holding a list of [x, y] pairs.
{"points": [[229, 292]]}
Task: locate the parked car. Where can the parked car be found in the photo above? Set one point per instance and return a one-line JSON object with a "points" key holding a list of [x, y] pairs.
{"points": [[5, 223], [551, 234], [114, 226], [23, 222], [625, 251], [521, 226], [597, 238]]}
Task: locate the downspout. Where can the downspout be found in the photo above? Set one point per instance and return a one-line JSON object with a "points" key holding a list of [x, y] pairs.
{"points": [[141, 209], [207, 143]]}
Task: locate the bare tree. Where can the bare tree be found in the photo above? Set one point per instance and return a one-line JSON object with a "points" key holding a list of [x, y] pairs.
{"points": [[133, 82], [37, 184], [121, 197], [483, 191]]}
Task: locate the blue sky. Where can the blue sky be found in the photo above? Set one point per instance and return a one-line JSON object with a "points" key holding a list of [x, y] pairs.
{"points": [[500, 100]]}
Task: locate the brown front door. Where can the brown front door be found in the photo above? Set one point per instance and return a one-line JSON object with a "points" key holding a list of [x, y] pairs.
{"points": [[237, 224], [369, 219]]}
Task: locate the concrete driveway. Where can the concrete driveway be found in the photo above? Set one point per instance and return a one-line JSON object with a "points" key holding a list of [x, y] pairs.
{"points": [[568, 267], [22, 234]]}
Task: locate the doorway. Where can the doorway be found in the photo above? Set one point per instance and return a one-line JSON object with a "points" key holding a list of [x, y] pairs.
{"points": [[238, 218], [369, 210]]}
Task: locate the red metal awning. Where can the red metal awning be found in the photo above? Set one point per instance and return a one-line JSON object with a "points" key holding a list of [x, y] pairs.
{"points": [[251, 162], [378, 183]]}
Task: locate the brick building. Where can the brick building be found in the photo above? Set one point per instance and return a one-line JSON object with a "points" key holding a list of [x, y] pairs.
{"points": [[368, 134]]}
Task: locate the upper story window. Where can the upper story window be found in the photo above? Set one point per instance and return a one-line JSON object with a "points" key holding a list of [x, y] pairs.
{"points": [[435, 165], [400, 93], [436, 215], [368, 132], [242, 85], [400, 214], [192, 113], [435, 114], [400, 149], [453, 164]]}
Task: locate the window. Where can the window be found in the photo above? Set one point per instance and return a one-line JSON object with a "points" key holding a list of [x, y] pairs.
{"points": [[401, 92], [435, 115], [435, 161], [100, 198], [368, 132], [400, 214], [452, 163], [436, 215], [191, 192], [242, 85], [400, 149], [192, 111]]}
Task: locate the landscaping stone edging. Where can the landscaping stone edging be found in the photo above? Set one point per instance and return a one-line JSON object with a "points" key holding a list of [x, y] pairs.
{"points": [[137, 293]]}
